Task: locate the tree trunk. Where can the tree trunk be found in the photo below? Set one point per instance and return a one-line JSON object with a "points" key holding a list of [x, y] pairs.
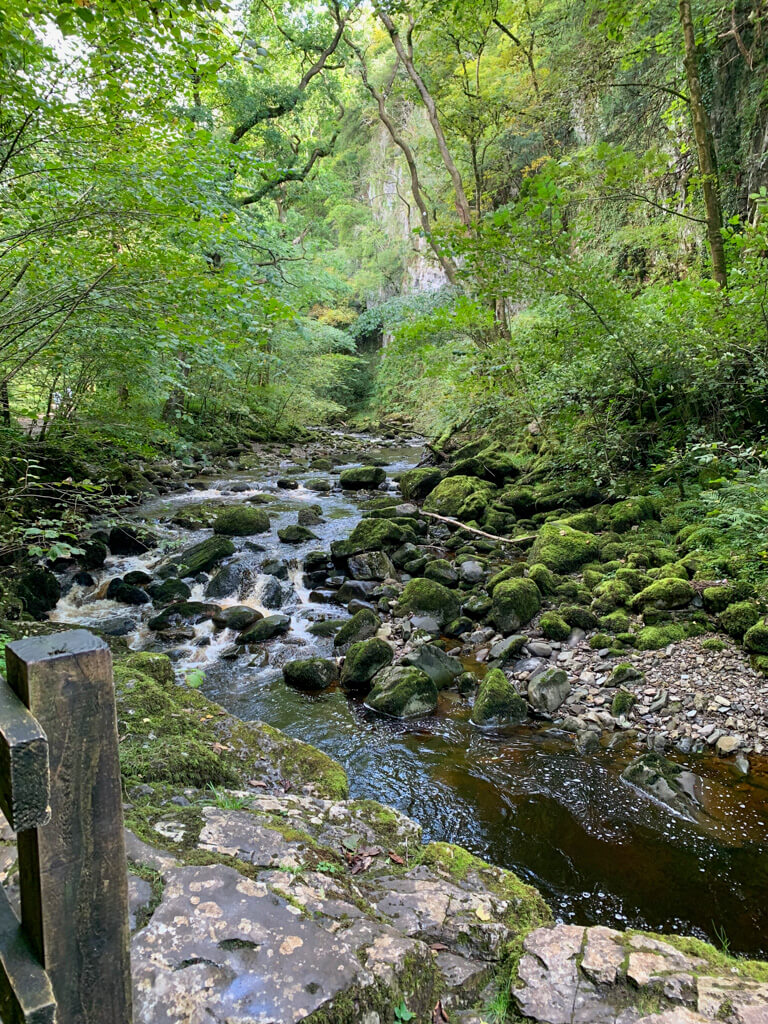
{"points": [[405, 53], [702, 134]]}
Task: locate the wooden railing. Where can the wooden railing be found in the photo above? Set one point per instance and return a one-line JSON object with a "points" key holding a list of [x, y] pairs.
{"points": [[67, 960]]}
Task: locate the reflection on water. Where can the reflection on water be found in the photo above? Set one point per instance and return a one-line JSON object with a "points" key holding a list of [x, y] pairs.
{"points": [[598, 850]]}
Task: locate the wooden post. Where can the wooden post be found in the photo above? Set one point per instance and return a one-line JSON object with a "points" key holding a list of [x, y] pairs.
{"points": [[73, 876]]}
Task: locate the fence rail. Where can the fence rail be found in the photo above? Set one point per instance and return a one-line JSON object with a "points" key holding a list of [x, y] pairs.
{"points": [[67, 961]]}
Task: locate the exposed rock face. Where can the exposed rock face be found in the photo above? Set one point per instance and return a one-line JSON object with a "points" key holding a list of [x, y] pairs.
{"points": [[573, 974], [280, 946]]}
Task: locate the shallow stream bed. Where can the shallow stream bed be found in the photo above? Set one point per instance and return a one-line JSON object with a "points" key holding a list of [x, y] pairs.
{"points": [[599, 851]]}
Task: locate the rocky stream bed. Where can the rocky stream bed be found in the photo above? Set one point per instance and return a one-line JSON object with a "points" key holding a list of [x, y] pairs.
{"points": [[558, 706]]}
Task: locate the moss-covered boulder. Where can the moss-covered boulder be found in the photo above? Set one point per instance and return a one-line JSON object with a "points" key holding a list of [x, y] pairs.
{"points": [[241, 521], [460, 497], [38, 589], [622, 516], [373, 535], [426, 597], [310, 674], [171, 735], [739, 617], [610, 595], [402, 691], [362, 478], [416, 484], [198, 558], [509, 572], [664, 594], [561, 548], [266, 629], [363, 625], [441, 571], [756, 638], [515, 602], [554, 627], [622, 703], [364, 659], [169, 590], [544, 578], [616, 621], [295, 534], [498, 702], [653, 638], [371, 565], [493, 463]]}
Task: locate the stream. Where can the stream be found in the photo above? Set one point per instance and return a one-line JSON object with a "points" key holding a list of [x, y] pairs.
{"points": [[599, 851]]}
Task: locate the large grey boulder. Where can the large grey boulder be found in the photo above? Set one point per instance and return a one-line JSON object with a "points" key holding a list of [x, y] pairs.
{"points": [[443, 669]]}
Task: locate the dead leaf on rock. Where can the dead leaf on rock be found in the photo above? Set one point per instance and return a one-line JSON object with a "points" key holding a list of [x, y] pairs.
{"points": [[396, 858], [439, 1016]]}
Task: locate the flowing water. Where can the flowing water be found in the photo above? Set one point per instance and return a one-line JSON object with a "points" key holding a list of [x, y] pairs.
{"points": [[599, 851]]}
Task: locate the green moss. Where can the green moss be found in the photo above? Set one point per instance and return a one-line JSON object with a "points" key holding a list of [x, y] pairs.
{"points": [[592, 577], [498, 702], [635, 579], [626, 514], [441, 571], [310, 673], [715, 959], [653, 638], [373, 535], [363, 661], [554, 627], [427, 597], [664, 594], [756, 638], [241, 521], [712, 643], [610, 595], [172, 735], [515, 602], [460, 497], [616, 622], [544, 578], [561, 548], [739, 617], [581, 618], [585, 521], [509, 572], [599, 641], [361, 478], [402, 692], [416, 484], [198, 558], [622, 702], [362, 626]]}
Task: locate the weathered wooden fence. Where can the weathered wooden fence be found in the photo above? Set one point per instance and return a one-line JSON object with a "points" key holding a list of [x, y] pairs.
{"points": [[67, 960]]}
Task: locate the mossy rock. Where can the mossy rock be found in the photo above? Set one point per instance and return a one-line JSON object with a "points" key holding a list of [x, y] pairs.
{"points": [[426, 597], [311, 674], [441, 571], [38, 589], [579, 618], [714, 643], [756, 638], [498, 702], [460, 497], [515, 602], [717, 599], [616, 621], [361, 478], [585, 521], [402, 691], [373, 535], [198, 558], [622, 516], [265, 629], [173, 735], [635, 579], [600, 641], [673, 570], [612, 553], [624, 673], [416, 484], [520, 499], [591, 577], [561, 548], [544, 578], [739, 617], [622, 703], [653, 638], [664, 594], [241, 521], [554, 627], [477, 606], [509, 572], [237, 617], [491, 463], [610, 595], [326, 627], [184, 613], [364, 659], [295, 534], [362, 626]]}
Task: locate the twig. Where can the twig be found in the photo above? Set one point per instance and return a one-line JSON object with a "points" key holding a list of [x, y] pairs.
{"points": [[469, 529]]}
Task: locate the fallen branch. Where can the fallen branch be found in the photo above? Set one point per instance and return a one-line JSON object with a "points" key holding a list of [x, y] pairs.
{"points": [[469, 529]]}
